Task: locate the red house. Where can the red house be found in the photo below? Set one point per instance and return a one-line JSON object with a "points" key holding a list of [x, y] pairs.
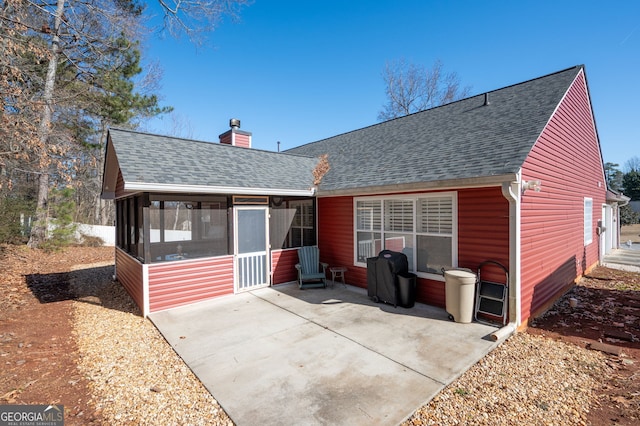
{"points": [[514, 175]]}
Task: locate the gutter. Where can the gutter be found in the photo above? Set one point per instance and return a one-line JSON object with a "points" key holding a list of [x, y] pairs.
{"points": [[201, 189], [617, 197], [435, 185], [511, 191], [625, 200]]}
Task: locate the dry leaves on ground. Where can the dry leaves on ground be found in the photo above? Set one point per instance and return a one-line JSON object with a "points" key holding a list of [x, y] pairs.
{"points": [[134, 375], [118, 369]]}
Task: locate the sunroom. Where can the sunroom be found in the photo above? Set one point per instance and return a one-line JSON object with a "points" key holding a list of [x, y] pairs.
{"points": [[156, 228], [187, 232]]}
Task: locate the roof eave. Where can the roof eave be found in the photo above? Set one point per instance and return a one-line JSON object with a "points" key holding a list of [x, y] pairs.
{"points": [[440, 185], [617, 197], [202, 189]]}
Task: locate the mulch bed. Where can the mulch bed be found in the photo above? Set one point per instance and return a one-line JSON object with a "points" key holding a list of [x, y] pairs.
{"points": [[606, 318], [40, 358]]}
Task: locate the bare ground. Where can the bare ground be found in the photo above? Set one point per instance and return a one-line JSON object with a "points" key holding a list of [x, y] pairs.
{"points": [[630, 233], [69, 335]]}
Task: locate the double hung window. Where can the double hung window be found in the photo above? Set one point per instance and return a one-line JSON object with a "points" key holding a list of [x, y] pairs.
{"points": [[435, 234], [368, 229], [422, 226]]}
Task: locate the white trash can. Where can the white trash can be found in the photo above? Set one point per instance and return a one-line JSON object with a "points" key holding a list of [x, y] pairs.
{"points": [[460, 288]]}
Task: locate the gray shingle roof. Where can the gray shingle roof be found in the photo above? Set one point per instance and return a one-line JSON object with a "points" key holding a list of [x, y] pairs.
{"points": [[154, 159], [460, 140]]}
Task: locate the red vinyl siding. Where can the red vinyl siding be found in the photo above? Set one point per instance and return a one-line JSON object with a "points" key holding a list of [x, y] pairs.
{"points": [[129, 274], [283, 263], [483, 227], [233, 137], [483, 231], [483, 234], [335, 231], [243, 140], [566, 159], [335, 237], [178, 283]]}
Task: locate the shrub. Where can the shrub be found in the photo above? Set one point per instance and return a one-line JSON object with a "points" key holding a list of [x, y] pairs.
{"points": [[628, 216], [12, 228], [62, 231], [91, 241]]}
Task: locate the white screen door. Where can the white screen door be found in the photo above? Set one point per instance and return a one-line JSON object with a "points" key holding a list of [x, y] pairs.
{"points": [[251, 248]]}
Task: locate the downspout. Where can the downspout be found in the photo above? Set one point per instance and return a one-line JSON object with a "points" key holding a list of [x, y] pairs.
{"points": [[511, 191]]}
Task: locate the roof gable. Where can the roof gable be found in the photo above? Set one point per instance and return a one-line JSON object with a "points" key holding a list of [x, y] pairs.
{"points": [[461, 140], [163, 163], [468, 141]]}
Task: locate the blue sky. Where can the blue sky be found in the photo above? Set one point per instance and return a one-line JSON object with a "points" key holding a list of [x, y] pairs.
{"points": [[300, 71]]}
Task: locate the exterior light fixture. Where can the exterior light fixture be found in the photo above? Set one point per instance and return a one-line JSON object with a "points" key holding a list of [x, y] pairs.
{"points": [[534, 185]]}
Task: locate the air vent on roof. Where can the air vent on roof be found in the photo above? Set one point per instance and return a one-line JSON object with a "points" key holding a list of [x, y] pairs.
{"points": [[486, 99], [234, 123]]}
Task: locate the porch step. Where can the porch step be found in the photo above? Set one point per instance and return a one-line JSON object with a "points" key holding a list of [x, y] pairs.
{"points": [[629, 258]]}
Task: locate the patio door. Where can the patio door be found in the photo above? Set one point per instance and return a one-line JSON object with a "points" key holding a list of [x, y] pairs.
{"points": [[251, 247]]}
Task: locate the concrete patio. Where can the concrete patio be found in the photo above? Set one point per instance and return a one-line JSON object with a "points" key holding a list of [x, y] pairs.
{"points": [[286, 356]]}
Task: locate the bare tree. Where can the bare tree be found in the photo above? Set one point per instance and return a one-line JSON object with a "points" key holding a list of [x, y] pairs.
{"points": [[56, 54], [38, 233], [80, 38], [19, 82], [411, 88], [180, 126], [632, 165], [195, 18]]}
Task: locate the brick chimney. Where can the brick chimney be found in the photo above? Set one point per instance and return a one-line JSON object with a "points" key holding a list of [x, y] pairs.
{"points": [[235, 136]]}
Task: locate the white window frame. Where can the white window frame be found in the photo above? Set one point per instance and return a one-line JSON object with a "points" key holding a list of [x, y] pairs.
{"points": [[414, 199], [369, 221], [588, 220]]}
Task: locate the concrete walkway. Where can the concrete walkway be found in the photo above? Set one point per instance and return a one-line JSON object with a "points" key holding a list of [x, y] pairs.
{"points": [[284, 356], [623, 259]]}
